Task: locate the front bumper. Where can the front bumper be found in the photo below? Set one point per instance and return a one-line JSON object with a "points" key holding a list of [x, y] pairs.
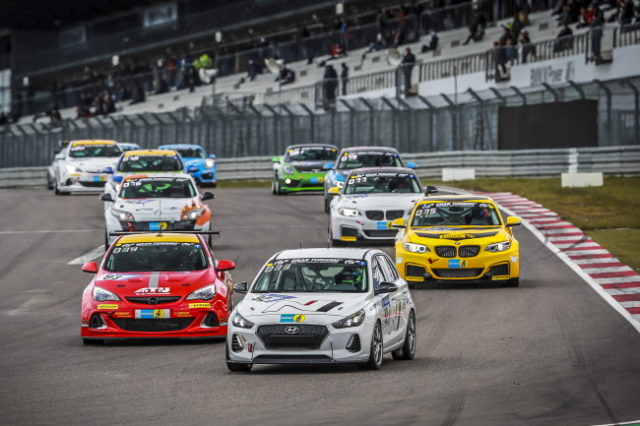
{"points": [[205, 176], [425, 267], [83, 182], [360, 229], [173, 320], [300, 182], [245, 346]]}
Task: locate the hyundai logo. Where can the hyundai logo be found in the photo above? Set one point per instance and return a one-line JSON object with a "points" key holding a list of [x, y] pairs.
{"points": [[291, 330]]}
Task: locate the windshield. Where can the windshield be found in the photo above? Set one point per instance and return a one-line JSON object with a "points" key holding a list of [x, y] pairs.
{"points": [[156, 256], [358, 159], [85, 151], [150, 163], [382, 183], [311, 153], [313, 275], [456, 214], [128, 147], [190, 153], [158, 188]]}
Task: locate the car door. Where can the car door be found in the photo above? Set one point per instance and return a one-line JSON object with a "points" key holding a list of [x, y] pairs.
{"points": [[397, 305], [383, 300]]}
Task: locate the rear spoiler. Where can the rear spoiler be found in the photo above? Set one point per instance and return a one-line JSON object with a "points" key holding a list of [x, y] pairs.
{"points": [[117, 233]]}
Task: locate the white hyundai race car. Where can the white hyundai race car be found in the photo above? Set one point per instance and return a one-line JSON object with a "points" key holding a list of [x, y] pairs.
{"points": [[157, 202], [79, 167], [322, 306], [370, 199]]}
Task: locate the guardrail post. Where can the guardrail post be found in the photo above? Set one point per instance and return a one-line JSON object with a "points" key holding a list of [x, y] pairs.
{"points": [[454, 121], [351, 118], [260, 137], [577, 89], [394, 110], [312, 121], [431, 121], [409, 127], [291, 123], [178, 123], [636, 109], [276, 119], [156, 117], [554, 93], [371, 117], [147, 127], [607, 92], [480, 132], [132, 126], [519, 93]]}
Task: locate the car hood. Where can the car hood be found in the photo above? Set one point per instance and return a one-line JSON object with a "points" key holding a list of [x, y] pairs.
{"points": [[151, 284], [379, 201], [468, 234], [307, 304], [158, 208], [92, 165]]}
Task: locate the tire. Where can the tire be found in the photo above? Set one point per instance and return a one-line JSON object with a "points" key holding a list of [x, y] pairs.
{"points": [[235, 367], [375, 352], [55, 188], [513, 282], [92, 342], [275, 187], [408, 349], [327, 205], [49, 182]]}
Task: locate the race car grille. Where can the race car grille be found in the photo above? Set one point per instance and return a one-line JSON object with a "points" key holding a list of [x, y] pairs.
{"points": [[469, 251], [502, 269], [285, 336], [158, 300], [394, 214], [446, 251], [458, 273], [382, 233], [92, 184], [153, 325], [375, 214]]}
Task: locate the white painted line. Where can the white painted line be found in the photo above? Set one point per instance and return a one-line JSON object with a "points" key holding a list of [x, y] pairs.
{"points": [[567, 239], [46, 231], [596, 270], [625, 423], [634, 304], [623, 291], [581, 252], [596, 260], [564, 231], [618, 280], [576, 245], [88, 257], [545, 219]]}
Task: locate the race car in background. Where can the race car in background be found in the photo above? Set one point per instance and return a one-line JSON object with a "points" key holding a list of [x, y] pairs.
{"points": [[302, 168], [147, 161], [156, 203], [357, 157], [322, 306], [128, 146], [196, 156], [79, 166], [369, 200], [157, 285], [457, 238]]}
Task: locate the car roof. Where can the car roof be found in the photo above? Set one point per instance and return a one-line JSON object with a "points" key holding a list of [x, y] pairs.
{"points": [[93, 142], [180, 146], [459, 198], [139, 152], [157, 176], [329, 253], [158, 237], [383, 170], [370, 148], [302, 145]]}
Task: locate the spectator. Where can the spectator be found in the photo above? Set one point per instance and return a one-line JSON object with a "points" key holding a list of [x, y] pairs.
{"points": [[500, 61], [375, 46], [596, 35], [476, 29], [564, 40], [330, 83], [408, 61], [624, 12], [252, 70], [528, 49], [587, 15], [344, 78], [336, 52], [286, 76], [433, 43], [54, 114], [3, 119]]}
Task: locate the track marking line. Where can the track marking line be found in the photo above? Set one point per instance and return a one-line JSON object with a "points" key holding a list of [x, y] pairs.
{"points": [[88, 257], [633, 422]]}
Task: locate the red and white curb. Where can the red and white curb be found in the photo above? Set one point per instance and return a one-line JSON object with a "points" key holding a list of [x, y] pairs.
{"points": [[616, 282]]}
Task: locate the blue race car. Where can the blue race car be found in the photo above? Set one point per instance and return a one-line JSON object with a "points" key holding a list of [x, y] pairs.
{"points": [[194, 156]]}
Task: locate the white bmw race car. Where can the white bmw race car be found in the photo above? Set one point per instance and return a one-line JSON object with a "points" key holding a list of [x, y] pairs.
{"points": [[79, 167], [157, 202], [322, 306], [370, 199]]}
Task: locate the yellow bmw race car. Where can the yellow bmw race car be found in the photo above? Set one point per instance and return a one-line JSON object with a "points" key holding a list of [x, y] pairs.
{"points": [[457, 237]]}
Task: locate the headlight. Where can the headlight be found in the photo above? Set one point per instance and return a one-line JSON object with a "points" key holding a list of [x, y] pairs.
{"points": [[288, 169], [498, 247], [102, 295], [349, 212], [122, 215], [415, 248], [73, 169], [205, 293], [351, 321], [240, 321], [209, 163], [192, 214]]}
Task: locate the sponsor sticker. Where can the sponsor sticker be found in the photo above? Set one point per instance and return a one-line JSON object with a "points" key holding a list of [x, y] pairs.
{"points": [[107, 306], [292, 318], [123, 314], [153, 313], [499, 277], [382, 224], [159, 290], [199, 305], [455, 263], [181, 314]]}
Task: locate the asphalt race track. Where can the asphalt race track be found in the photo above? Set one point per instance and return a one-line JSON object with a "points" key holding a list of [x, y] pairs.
{"points": [[551, 352]]}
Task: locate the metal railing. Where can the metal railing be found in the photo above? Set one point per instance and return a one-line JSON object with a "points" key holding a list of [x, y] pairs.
{"points": [[434, 70], [626, 35]]}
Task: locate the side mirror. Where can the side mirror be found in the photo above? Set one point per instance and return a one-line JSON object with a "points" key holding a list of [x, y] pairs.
{"points": [[192, 169], [225, 265], [117, 179], [513, 221], [276, 159], [386, 287], [59, 156], [398, 223], [329, 166], [106, 197], [207, 196], [90, 267], [108, 170], [430, 190], [213, 157], [412, 165], [241, 287], [334, 190]]}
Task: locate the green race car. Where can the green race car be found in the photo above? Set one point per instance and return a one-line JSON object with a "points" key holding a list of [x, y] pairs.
{"points": [[302, 168]]}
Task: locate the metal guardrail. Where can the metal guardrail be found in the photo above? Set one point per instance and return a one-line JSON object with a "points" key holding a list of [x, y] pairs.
{"points": [[617, 161]]}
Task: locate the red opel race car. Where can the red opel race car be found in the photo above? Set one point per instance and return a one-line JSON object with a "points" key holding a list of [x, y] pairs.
{"points": [[157, 285]]}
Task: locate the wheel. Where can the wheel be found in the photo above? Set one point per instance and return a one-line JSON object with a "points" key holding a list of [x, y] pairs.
{"points": [[235, 367], [55, 188], [513, 282], [49, 182], [375, 353], [327, 205], [89, 342], [408, 349]]}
